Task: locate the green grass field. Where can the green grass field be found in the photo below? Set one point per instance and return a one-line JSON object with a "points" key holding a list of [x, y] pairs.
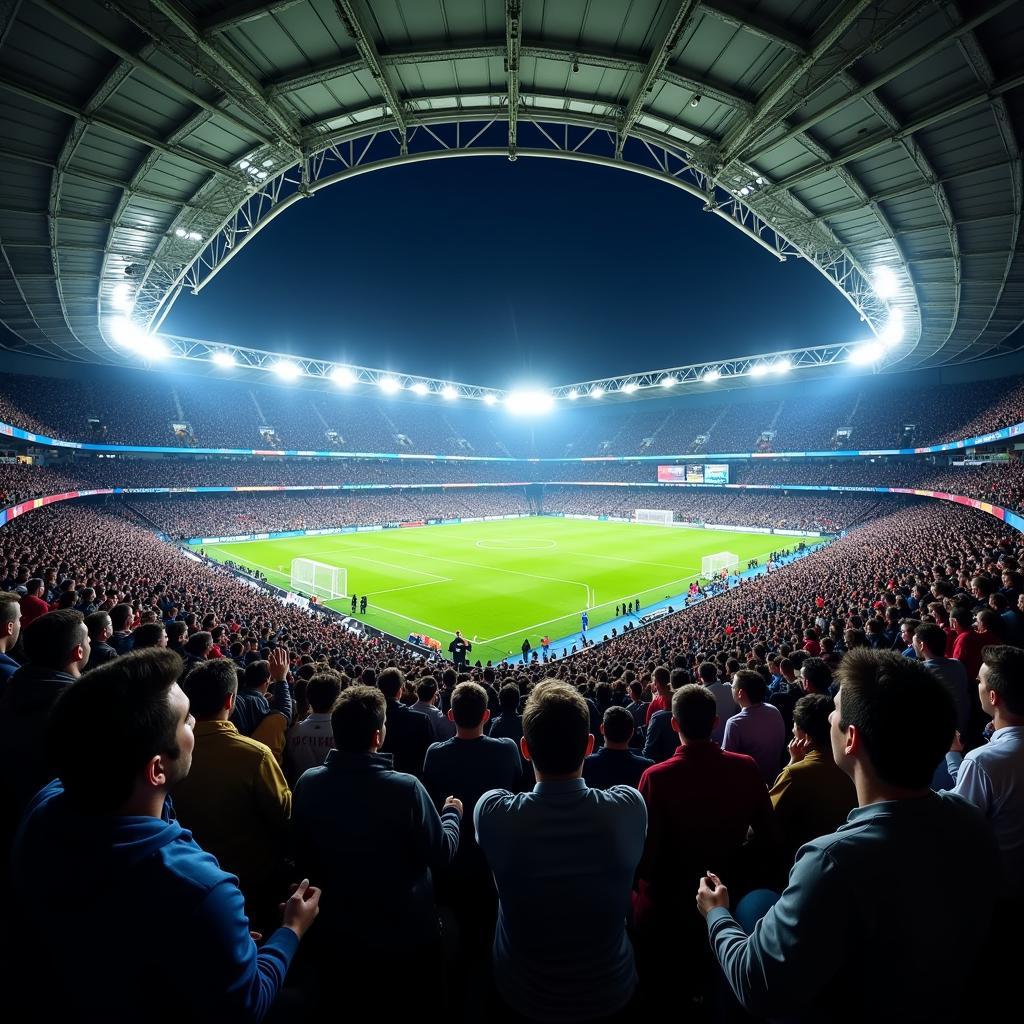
{"points": [[506, 580]]}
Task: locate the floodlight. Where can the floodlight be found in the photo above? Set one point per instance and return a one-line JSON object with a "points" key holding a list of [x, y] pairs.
{"points": [[243, 164], [152, 347], [759, 370], [629, 388], [286, 370], [669, 381], [892, 333], [121, 298], [261, 175], [180, 233], [783, 365], [710, 376], [744, 191], [490, 399], [268, 163], [529, 402], [127, 333], [573, 395], [887, 284], [343, 376], [223, 358], [869, 352], [389, 385], [597, 391], [194, 236], [449, 393], [420, 388]]}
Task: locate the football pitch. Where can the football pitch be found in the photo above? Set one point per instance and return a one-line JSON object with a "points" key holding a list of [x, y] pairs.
{"points": [[506, 580]]}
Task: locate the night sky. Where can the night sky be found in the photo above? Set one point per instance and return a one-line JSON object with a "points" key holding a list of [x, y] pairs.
{"points": [[540, 272]]}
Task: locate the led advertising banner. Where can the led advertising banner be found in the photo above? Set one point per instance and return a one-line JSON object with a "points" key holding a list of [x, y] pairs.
{"points": [[716, 473], [694, 473], [672, 474]]}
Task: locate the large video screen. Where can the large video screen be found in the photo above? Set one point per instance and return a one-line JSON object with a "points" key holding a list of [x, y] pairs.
{"points": [[716, 473], [695, 473]]}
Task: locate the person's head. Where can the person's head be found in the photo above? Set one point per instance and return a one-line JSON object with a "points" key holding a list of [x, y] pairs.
{"points": [[694, 712], [707, 672], [907, 629], [894, 719], [199, 644], [426, 689], [121, 616], [929, 641], [176, 632], [58, 641], [748, 688], [211, 688], [122, 731], [556, 729], [257, 676], [10, 620], [811, 720], [1001, 683], [469, 706], [322, 691], [34, 587], [815, 676], [988, 621], [787, 670], [99, 626], [662, 680], [508, 697], [357, 720], [391, 682], [617, 728], [149, 634]]}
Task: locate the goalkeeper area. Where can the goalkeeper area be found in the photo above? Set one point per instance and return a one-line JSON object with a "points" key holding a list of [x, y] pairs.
{"points": [[501, 581]]}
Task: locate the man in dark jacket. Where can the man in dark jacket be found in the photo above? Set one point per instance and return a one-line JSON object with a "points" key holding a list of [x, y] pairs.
{"points": [[264, 690], [100, 631], [10, 630], [615, 764], [56, 646], [407, 734]]}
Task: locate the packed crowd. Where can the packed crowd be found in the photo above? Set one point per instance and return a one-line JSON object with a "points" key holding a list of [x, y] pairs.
{"points": [[680, 767], [136, 408]]}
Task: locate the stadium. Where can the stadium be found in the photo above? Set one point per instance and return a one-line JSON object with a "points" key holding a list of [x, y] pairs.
{"points": [[375, 621]]}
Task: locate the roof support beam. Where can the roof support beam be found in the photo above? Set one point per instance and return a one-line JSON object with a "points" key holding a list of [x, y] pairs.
{"points": [[665, 45], [755, 23], [8, 15], [239, 13], [513, 41], [354, 25]]}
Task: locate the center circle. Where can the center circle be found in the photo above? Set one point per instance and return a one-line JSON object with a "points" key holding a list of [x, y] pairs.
{"points": [[512, 545]]}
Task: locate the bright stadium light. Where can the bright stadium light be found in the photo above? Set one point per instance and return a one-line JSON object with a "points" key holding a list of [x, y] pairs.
{"points": [[887, 285], [223, 358], [286, 370], [759, 370], [343, 376], [597, 391], [783, 365], [892, 333], [529, 402], [629, 388], [389, 385], [122, 297], [127, 333], [419, 388], [152, 347], [573, 395], [710, 376], [449, 393], [669, 381], [490, 399], [869, 352], [180, 233]]}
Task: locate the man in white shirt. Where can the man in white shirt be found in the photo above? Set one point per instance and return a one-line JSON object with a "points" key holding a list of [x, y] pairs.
{"points": [[992, 776], [310, 739]]}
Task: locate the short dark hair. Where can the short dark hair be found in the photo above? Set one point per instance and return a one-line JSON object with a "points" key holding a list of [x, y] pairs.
{"points": [[556, 725], [8, 603], [322, 690], [933, 637], [695, 710], [120, 616], [1006, 674], [707, 671], [126, 703], [95, 622], [817, 674], [426, 688], [469, 702], [811, 714], [208, 685], [256, 674], [509, 697], [176, 630], [49, 640], [358, 713], [199, 643], [147, 635], [903, 713], [618, 724], [390, 682], [752, 684]]}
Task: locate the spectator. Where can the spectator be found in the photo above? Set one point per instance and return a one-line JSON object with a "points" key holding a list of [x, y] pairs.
{"points": [[758, 728], [815, 676], [234, 800], [311, 739], [264, 706], [100, 631], [929, 643], [614, 764], [562, 845], [121, 616], [725, 702], [373, 833], [838, 945], [32, 604], [10, 630], [812, 796], [426, 705], [122, 737], [509, 724], [149, 634], [662, 700], [408, 732]]}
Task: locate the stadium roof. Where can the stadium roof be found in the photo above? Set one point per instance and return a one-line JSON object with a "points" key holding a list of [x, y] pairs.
{"points": [[143, 142]]}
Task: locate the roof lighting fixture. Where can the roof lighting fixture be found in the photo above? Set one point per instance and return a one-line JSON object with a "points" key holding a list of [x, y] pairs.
{"points": [[121, 298], [886, 283], [490, 399], [243, 164], [573, 395], [783, 365], [152, 347], [869, 352], [343, 376], [286, 370], [669, 381], [223, 358], [892, 333], [194, 236], [420, 388], [629, 387], [759, 370], [180, 233], [261, 175], [268, 163], [710, 376], [127, 333], [389, 385], [530, 403], [744, 191], [597, 391], [759, 180], [449, 393]]}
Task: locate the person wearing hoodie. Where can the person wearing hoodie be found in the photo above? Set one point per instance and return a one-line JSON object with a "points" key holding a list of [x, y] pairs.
{"points": [[56, 647], [122, 916]]}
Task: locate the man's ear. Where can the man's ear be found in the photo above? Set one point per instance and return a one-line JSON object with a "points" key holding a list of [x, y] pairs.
{"points": [[525, 750], [487, 716], [451, 717], [590, 743], [229, 703], [675, 724], [853, 743]]}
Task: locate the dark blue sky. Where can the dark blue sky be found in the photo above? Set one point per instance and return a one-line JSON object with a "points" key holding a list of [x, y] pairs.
{"points": [[485, 271]]}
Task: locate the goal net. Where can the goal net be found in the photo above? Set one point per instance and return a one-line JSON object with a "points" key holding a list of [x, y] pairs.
{"points": [[712, 565], [660, 516], [310, 577]]}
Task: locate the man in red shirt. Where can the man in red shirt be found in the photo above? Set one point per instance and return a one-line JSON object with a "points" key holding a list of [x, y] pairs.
{"points": [[32, 604], [969, 643], [662, 687]]}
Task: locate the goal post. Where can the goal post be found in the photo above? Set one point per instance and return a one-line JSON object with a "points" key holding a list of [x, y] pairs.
{"points": [[311, 577], [712, 565], [656, 516]]}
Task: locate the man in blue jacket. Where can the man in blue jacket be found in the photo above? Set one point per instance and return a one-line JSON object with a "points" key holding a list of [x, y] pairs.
{"points": [[123, 915]]}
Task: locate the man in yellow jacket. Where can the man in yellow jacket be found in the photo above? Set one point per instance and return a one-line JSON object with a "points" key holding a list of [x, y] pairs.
{"points": [[235, 800]]}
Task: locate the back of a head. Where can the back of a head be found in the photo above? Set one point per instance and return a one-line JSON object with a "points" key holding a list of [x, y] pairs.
{"points": [[707, 672], [817, 675], [752, 684], [149, 634], [811, 714], [902, 711], [661, 676], [323, 689], [256, 674], [358, 713], [97, 623], [207, 686], [391, 683], [199, 643], [678, 677], [933, 637], [556, 726], [1005, 675], [108, 725], [509, 699], [449, 677], [176, 631], [469, 702], [618, 725], [426, 689], [120, 616], [695, 710], [50, 641]]}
